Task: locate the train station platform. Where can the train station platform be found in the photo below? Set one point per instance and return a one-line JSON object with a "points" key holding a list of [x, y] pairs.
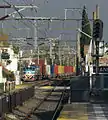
{"points": [[84, 111], [74, 112]]}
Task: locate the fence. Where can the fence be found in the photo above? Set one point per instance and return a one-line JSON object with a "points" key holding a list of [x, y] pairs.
{"points": [[81, 87], [12, 99]]}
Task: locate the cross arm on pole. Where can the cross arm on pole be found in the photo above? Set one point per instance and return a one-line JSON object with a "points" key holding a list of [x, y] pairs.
{"points": [[45, 19], [10, 14], [5, 6], [18, 6]]}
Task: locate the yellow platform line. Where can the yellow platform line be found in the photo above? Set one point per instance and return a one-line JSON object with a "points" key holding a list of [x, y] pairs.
{"points": [[47, 87], [75, 112], [22, 86]]}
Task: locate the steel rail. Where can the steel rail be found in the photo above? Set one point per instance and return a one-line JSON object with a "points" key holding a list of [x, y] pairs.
{"points": [[28, 116]]}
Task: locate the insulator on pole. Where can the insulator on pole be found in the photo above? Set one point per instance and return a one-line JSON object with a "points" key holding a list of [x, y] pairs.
{"points": [[5, 6]]}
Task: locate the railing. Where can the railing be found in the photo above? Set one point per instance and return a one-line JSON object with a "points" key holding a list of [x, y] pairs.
{"points": [[9, 85], [9, 101]]}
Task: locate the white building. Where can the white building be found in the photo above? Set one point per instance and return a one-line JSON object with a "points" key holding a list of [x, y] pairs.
{"points": [[13, 66], [13, 58]]}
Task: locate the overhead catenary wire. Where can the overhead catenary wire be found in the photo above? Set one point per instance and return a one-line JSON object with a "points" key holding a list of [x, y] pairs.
{"points": [[36, 12], [16, 10], [30, 5], [21, 15]]}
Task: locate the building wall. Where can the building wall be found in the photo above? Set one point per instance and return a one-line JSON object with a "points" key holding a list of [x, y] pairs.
{"points": [[14, 60]]}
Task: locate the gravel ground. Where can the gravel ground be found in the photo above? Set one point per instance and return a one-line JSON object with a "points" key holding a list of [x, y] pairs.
{"points": [[22, 111], [46, 109]]}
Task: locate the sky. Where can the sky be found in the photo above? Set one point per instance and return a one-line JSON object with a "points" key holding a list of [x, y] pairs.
{"points": [[55, 8]]}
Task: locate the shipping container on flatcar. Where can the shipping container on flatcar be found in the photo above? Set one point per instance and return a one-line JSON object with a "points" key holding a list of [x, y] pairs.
{"points": [[65, 69], [48, 70], [43, 69], [52, 70], [56, 69], [59, 69]]}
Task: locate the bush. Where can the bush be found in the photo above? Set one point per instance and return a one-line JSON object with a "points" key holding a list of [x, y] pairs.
{"points": [[9, 75]]}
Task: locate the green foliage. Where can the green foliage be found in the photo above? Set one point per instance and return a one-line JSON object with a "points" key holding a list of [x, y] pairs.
{"points": [[4, 44], [84, 40], [106, 45], [85, 27], [8, 62], [15, 49], [9, 75]]}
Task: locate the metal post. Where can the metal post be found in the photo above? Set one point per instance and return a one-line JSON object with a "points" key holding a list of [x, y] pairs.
{"points": [[97, 56], [51, 52], [35, 35], [93, 42], [20, 65], [65, 13], [77, 46], [38, 55], [97, 12], [28, 32], [59, 55], [2, 28], [97, 43], [60, 51]]}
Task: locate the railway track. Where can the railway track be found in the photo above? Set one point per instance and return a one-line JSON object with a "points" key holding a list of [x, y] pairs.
{"points": [[42, 99], [43, 102], [40, 82]]}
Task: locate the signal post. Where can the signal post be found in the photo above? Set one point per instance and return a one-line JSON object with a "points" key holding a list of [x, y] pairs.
{"points": [[97, 37]]}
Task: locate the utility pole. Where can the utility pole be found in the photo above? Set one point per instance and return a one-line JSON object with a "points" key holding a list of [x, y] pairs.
{"points": [[38, 54], [78, 46], [51, 59], [93, 41], [97, 43], [77, 36], [60, 51], [35, 35], [77, 49]]}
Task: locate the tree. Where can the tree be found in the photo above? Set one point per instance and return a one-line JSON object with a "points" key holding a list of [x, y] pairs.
{"points": [[84, 40], [15, 49]]}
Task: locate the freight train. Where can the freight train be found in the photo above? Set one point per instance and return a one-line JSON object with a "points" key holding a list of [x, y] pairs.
{"points": [[34, 71]]}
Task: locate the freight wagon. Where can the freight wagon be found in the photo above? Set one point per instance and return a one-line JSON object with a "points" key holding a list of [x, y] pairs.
{"points": [[48, 71]]}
